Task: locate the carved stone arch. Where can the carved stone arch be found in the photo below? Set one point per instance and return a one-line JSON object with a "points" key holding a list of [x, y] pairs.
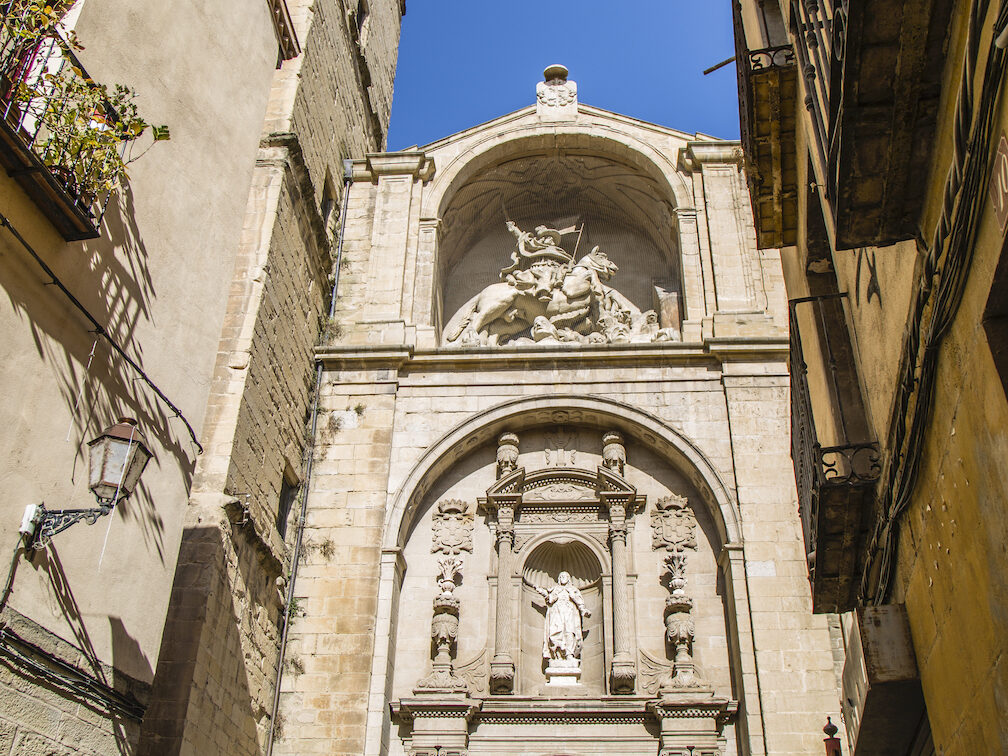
{"points": [[509, 139], [551, 534], [484, 428], [515, 415]]}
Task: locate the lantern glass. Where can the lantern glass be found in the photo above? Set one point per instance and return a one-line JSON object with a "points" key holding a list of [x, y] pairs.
{"points": [[117, 458]]}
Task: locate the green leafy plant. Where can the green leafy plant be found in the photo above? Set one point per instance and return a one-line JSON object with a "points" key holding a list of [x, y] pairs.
{"points": [[83, 130], [27, 21]]}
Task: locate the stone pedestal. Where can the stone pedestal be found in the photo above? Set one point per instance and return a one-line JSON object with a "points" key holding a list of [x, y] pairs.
{"points": [[440, 723], [560, 674], [691, 724]]}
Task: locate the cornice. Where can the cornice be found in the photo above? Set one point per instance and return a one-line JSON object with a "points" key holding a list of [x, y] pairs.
{"points": [[666, 354], [414, 163], [697, 153], [283, 27]]}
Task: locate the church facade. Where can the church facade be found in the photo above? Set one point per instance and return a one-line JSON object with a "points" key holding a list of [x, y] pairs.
{"points": [[552, 507]]}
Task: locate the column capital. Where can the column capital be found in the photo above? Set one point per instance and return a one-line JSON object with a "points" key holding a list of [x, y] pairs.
{"points": [[413, 163]]}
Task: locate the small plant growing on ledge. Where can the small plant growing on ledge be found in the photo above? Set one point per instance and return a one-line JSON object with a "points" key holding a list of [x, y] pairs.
{"points": [[331, 330]]}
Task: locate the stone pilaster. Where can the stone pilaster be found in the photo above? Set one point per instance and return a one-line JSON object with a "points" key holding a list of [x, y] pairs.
{"points": [[623, 674]]}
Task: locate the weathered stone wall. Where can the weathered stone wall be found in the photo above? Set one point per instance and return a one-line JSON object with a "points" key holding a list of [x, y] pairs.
{"points": [[41, 719], [741, 428], [389, 396], [262, 391]]}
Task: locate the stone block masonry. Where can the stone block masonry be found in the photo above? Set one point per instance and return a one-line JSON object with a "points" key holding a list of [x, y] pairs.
{"points": [[215, 677]]}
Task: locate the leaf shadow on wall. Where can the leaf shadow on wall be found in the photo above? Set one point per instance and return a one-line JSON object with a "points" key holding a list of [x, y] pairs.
{"points": [[111, 278]]}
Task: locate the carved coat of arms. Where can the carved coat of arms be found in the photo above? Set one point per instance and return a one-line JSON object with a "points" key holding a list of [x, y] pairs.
{"points": [[673, 524], [452, 526]]}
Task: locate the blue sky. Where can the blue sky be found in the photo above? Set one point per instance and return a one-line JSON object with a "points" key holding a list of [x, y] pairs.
{"points": [[463, 62]]}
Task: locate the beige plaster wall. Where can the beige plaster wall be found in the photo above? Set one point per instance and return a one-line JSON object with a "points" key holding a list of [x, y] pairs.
{"points": [[154, 280], [262, 389], [217, 292]]}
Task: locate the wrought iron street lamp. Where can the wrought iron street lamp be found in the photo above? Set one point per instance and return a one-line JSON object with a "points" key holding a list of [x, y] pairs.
{"points": [[116, 459]]}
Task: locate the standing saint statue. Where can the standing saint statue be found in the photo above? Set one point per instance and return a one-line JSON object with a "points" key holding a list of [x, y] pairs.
{"points": [[563, 635]]}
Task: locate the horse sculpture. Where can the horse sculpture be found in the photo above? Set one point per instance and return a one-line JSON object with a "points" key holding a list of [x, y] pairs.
{"points": [[571, 298]]}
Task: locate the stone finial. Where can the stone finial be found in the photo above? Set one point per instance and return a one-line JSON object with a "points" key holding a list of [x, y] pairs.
{"points": [[507, 454], [680, 627], [556, 97], [556, 72], [444, 632], [613, 452]]}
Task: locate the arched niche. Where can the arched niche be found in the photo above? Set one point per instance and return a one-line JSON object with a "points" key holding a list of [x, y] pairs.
{"points": [[540, 565], [608, 187], [464, 463], [561, 522]]}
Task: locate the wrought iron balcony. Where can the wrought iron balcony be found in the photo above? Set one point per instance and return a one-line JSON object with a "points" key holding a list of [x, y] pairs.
{"points": [[767, 84], [45, 120], [871, 74], [836, 480]]}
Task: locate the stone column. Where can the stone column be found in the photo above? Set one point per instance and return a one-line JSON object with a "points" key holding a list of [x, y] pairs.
{"points": [[502, 668], [624, 672], [618, 503]]}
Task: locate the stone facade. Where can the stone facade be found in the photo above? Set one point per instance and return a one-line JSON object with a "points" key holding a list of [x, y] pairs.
{"points": [[213, 269], [562, 452]]}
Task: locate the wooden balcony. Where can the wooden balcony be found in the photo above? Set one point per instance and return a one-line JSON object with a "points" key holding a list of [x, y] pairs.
{"points": [[836, 481], [872, 74], [768, 86]]}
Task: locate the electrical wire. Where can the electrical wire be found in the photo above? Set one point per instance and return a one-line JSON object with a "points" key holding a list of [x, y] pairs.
{"points": [[55, 670], [99, 329], [943, 281], [66, 676]]}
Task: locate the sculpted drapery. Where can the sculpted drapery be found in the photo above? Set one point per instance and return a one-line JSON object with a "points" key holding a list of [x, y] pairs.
{"points": [[565, 608]]}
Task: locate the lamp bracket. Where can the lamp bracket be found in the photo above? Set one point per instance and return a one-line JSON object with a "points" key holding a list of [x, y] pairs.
{"points": [[49, 522]]}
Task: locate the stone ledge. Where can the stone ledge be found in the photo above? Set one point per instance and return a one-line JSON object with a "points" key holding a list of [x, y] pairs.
{"points": [[32, 638], [678, 352], [564, 709]]}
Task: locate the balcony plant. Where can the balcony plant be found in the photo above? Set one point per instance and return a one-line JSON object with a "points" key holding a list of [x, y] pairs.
{"points": [[82, 130]]}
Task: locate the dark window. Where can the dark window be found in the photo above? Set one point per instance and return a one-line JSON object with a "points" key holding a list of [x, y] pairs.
{"points": [[288, 495]]}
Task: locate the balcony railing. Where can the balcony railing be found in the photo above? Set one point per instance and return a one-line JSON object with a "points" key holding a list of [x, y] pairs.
{"points": [[818, 28], [836, 481], [49, 106]]}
